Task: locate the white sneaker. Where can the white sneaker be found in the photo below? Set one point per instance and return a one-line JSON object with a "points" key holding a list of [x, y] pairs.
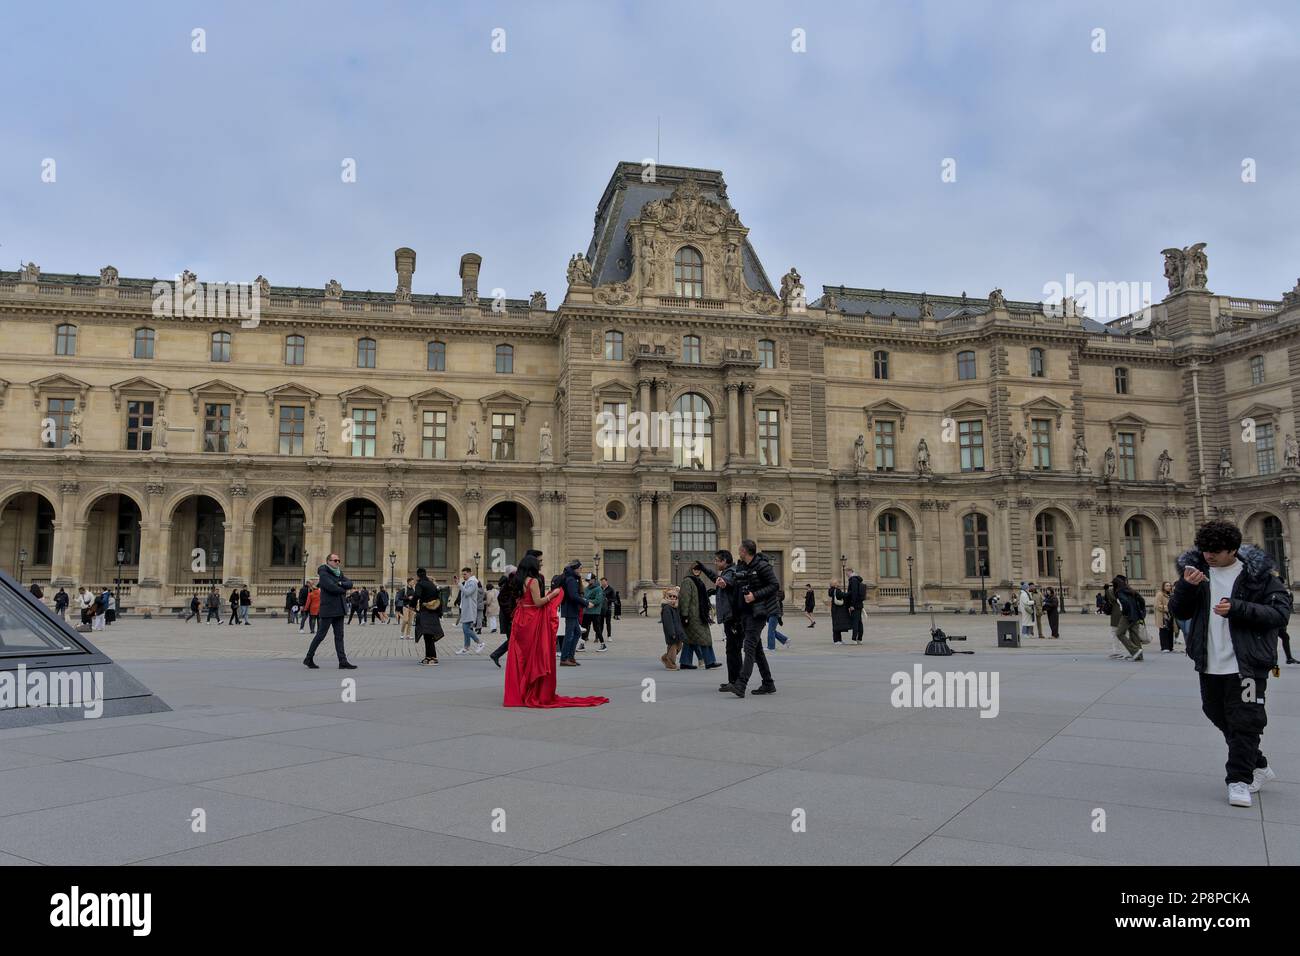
{"points": [[582, 645], [461, 650], [557, 653], [1262, 776], [601, 648], [1239, 795], [478, 648]]}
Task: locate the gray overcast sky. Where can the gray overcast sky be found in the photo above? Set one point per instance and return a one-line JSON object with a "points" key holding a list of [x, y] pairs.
{"points": [[228, 162]]}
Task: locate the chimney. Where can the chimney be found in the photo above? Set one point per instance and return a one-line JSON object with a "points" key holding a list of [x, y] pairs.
{"points": [[469, 266], [404, 259]]}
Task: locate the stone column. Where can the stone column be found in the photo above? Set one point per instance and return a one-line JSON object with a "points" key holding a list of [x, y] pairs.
{"points": [[752, 523], [1292, 507], [663, 537], [733, 423], [1115, 548], [1003, 531], [471, 536], [397, 535], [645, 545], [65, 569], [317, 540], [748, 421], [866, 565], [645, 405], [238, 561], [735, 528]]}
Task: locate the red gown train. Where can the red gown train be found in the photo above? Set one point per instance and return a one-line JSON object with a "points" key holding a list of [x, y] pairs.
{"points": [[530, 661]]}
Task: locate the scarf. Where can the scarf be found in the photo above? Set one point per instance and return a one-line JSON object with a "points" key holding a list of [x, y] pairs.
{"points": [[338, 572]]}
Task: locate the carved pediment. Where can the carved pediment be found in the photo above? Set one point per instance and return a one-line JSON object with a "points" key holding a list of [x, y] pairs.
{"points": [[291, 392], [365, 395], [1261, 412], [504, 398], [1128, 422], [60, 383], [139, 386], [217, 389], [968, 407], [886, 409], [1044, 407], [773, 396], [612, 391], [434, 396], [689, 211]]}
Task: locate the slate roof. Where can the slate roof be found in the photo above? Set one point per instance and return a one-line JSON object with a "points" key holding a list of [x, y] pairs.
{"points": [[622, 201]]}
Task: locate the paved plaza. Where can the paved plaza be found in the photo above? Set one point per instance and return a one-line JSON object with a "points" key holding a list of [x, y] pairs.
{"points": [[426, 767]]}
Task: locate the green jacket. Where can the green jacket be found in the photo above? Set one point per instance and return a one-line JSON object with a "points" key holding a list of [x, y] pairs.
{"points": [[697, 632], [596, 595]]}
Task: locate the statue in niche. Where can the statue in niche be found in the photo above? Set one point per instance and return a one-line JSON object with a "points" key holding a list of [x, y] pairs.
{"points": [[471, 435], [1080, 455], [1018, 448], [545, 440], [1292, 455], [923, 458], [1108, 465], [1226, 471], [160, 432], [860, 454], [399, 438], [321, 433], [1164, 466]]}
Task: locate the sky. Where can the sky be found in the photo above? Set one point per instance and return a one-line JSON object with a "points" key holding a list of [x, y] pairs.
{"points": [[1069, 160]]}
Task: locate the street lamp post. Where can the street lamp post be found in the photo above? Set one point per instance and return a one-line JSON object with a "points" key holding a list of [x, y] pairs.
{"points": [[911, 597], [392, 571], [844, 563], [22, 560], [216, 566], [984, 594], [595, 561], [1060, 585], [117, 586], [476, 557], [306, 563]]}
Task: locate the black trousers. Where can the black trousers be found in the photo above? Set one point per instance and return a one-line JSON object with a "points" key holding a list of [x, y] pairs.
{"points": [[1286, 644], [855, 620], [234, 614], [1054, 622], [325, 623], [1167, 637], [753, 651], [505, 645], [430, 652], [1238, 711], [609, 623], [734, 630]]}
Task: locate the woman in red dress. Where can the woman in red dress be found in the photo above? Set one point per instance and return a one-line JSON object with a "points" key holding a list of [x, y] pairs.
{"points": [[530, 664]]}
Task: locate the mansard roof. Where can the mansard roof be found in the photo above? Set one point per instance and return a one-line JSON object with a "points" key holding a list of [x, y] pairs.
{"points": [[625, 196]]}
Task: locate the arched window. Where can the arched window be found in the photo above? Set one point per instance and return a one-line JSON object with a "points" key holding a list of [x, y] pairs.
{"points": [[887, 537], [361, 531], [65, 340], [1134, 565], [975, 533], [1275, 544], [144, 340], [688, 273], [880, 365], [692, 420], [1037, 363], [288, 523], [295, 350], [436, 359], [614, 346], [965, 366], [505, 359], [366, 353], [1121, 381], [1045, 544], [221, 346], [691, 349], [694, 529], [767, 353]]}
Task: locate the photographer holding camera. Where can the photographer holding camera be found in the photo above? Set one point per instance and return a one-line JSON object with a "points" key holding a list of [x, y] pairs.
{"points": [[756, 583]]}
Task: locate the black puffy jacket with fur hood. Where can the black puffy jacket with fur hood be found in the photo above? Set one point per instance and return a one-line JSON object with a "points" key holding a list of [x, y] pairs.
{"points": [[1261, 606]]}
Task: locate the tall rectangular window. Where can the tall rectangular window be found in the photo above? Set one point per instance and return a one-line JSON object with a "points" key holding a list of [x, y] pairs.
{"points": [[436, 359], [965, 366], [139, 426], [293, 424], [365, 428], [975, 537], [295, 350], [884, 437], [60, 413], [1257, 370], [769, 436], [970, 440], [65, 340], [1040, 431], [887, 541], [503, 436], [216, 427], [1127, 451], [613, 431], [1265, 450], [433, 436], [361, 530]]}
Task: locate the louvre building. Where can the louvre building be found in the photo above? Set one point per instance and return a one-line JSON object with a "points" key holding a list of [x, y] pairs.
{"points": [[920, 437]]}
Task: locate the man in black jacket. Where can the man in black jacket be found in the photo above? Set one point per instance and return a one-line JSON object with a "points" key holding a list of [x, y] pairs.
{"points": [[1236, 606], [730, 616], [333, 586], [758, 593], [607, 612], [857, 597]]}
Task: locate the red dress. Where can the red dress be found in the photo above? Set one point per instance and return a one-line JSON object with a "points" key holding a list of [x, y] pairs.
{"points": [[530, 662]]}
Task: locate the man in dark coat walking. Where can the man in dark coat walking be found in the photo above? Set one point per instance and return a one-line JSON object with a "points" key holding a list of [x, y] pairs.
{"points": [[857, 597], [730, 615], [1236, 605], [758, 590], [333, 586]]}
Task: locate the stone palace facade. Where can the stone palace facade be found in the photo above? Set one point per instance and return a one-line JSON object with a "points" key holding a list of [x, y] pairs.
{"points": [[919, 438]]}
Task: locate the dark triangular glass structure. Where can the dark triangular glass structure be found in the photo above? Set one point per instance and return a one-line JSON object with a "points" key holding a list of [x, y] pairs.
{"points": [[50, 672]]}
